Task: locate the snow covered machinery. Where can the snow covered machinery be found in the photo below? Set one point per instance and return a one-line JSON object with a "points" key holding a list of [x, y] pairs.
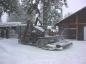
{"points": [[36, 36]]}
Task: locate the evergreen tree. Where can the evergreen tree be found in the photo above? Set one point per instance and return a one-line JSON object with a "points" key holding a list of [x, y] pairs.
{"points": [[9, 5], [51, 10]]}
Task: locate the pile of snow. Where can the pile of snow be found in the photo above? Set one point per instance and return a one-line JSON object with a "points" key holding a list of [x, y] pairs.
{"points": [[39, 28], [51, 28], [11, 52]]}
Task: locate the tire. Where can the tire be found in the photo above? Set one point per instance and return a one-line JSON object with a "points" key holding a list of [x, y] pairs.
{"points": [[41, 43]]}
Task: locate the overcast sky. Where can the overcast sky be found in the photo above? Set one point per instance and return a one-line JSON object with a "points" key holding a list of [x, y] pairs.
{"points": [[74, 5]]}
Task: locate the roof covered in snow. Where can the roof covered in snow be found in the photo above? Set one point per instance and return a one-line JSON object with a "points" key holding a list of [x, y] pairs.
{"points": [[9, 24]]}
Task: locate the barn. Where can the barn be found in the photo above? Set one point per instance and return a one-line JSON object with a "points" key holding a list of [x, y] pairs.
{"points": [[74, 26]]}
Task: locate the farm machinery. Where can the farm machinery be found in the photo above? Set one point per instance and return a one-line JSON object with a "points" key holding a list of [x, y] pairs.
{"points": [[45, 39]]}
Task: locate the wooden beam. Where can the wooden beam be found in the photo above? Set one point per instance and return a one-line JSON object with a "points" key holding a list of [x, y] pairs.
{"points": [[76, 27], [82, 23], [71, 28]]}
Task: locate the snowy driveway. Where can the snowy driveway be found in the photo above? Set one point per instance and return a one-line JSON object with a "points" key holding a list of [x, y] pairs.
{"points": [[13, 53]]}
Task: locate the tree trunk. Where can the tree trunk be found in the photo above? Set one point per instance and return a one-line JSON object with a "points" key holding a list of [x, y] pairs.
{"points": [[45, 13]]}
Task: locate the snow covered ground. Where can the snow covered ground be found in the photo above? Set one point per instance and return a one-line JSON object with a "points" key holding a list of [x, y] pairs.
{"points": [[13, 53]]}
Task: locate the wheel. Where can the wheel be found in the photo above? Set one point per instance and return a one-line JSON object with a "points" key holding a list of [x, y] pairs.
{"points": [[41, 43]]}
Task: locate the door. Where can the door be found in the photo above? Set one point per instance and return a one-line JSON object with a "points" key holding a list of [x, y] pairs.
{"points": [[85, 33]]}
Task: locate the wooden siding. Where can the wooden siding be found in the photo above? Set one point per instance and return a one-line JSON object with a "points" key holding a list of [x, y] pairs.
{"points": [[76, 21]]}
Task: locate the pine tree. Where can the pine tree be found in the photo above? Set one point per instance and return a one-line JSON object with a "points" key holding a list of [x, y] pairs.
{"points": [[9, 5]]}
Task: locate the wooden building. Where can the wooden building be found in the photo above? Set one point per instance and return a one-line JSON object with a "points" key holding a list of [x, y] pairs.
{"points": [[74, 26], [10, 29]]}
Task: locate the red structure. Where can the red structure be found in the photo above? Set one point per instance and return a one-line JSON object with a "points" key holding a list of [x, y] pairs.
{"points": [[74, 26]]}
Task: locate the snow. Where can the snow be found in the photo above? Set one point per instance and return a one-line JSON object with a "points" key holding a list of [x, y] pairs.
{"points": [[8, 24], [4, 17], [51, 28], [11, 52], [39, 28]]}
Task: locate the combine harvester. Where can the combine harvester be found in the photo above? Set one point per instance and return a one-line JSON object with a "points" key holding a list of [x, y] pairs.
{"points": [[37, 36]]}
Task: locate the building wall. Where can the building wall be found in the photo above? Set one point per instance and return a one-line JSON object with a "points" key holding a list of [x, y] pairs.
{"points": [[80, 33], [74, 28], [74, 25], [67, 33]]}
